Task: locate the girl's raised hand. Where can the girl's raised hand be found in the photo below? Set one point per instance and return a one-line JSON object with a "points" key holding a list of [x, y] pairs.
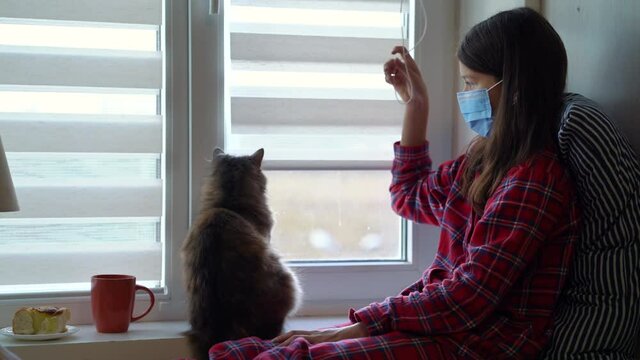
{"points": [[398, 72]]}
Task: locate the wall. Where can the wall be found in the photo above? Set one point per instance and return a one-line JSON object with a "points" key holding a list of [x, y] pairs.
{"points": [[602, 38], [472, 12]]}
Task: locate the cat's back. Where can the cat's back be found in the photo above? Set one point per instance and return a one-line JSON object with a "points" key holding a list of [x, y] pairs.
{"points": [[217, 231]]}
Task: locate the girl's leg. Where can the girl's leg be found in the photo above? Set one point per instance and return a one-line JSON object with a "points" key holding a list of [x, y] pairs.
{"points": [[247, 348], [395, 345]]}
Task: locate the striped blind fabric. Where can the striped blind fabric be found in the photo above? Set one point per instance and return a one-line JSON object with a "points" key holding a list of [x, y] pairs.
{"points": [[81, 118], [305, 79]]}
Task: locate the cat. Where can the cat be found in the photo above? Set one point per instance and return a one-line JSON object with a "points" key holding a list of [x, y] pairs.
{"points": [[236, 283]]}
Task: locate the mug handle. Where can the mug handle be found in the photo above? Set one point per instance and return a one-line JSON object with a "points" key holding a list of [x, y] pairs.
{"points": [[153, 301]]}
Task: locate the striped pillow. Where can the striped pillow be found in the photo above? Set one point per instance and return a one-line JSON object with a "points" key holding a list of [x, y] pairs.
{"points": [[598, 314]]}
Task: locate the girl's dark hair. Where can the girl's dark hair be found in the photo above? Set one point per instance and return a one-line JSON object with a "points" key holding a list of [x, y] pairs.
{"points": [[520, 47]]}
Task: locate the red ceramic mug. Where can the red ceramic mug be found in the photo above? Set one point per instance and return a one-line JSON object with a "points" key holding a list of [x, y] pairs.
{"points": [[112, 298]]}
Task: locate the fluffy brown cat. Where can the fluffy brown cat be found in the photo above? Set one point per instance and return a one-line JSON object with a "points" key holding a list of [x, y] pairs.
{"points": [[237, 285]]}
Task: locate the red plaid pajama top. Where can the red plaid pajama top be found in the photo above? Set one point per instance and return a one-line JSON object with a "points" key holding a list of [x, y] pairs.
{"points": [[493, 285]]}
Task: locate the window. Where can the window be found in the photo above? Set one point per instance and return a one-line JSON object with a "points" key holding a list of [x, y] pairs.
{"points": [[288, 80], [82, 117], [303, 80], [110, 112]]}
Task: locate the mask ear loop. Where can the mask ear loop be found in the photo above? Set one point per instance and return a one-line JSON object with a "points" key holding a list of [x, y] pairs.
{"points": [[404, 45], [494, 85]]}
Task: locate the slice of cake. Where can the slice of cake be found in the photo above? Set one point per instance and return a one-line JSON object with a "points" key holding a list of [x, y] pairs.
{"points": [[40, 320]]}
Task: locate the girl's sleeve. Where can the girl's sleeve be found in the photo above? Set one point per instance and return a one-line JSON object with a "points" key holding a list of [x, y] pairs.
{"points": [[418, 193], [521, 214]]}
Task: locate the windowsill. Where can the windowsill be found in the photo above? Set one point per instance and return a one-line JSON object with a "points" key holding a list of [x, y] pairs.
{"points": [[144, 340]]}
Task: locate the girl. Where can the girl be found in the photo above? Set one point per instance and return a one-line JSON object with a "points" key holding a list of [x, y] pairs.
{"points": [[506, 209]]}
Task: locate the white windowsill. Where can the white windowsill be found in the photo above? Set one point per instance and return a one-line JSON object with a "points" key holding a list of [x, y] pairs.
{"points": [[144, 340]]}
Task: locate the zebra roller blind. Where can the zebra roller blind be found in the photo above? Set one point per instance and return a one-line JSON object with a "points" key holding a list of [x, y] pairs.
{"points": [[81, 118], [305, 79]]}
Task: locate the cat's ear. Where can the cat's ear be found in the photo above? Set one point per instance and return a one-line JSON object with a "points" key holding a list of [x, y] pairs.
{"points": [[217, 151], [257, 157]]}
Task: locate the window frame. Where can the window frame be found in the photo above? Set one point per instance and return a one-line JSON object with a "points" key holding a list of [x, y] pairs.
{"points": [[319, 299], [194, 67], [169, 298]]}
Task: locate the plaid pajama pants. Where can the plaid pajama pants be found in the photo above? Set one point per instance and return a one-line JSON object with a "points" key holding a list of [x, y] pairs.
{"points": [[394, 345]]}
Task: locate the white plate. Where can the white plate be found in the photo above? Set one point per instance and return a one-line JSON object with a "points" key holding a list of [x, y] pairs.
{"points": [[8, 331]]}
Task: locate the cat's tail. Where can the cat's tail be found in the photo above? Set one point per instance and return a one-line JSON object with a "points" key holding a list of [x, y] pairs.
{"points": [[199, 344]]}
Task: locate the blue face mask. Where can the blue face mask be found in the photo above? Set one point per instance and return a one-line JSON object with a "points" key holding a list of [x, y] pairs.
{"points": [[476, 109]]}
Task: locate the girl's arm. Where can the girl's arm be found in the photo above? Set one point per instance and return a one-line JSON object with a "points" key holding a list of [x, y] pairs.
{"points": [[418, 193], [520, 216], [403, 73]]}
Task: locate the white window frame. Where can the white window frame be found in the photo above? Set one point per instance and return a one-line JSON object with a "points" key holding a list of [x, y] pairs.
{"points": [[194, 70], [329, 288]]}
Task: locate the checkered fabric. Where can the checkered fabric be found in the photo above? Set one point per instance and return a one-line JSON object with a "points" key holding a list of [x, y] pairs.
{"points": [[495, 280]]}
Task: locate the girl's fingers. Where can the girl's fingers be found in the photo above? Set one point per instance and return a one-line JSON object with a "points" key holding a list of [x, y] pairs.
{"points": [[282, 337], [404, 75], [395, 74], [289, 335], [398, 49], [397, 79], [408, 59], [290, 340], [394, 67], [286, 342], [404, 54]]}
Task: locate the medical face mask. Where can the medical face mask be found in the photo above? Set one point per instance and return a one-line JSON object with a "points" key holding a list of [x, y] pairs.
{"points": [[476, 109]]}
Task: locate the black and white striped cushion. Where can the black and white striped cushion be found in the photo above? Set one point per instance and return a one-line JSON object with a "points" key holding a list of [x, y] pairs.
{"points": [[598, 316]]}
